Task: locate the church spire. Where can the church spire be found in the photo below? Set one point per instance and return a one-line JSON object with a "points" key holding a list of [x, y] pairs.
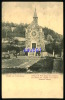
{"points": [[35, 18], [35, 14]]}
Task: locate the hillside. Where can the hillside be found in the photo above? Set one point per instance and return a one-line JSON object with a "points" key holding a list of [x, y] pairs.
{"points": [[55, 35], [19, 31]]}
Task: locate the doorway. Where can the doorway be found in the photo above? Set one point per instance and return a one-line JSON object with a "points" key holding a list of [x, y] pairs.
{"points": [[33, 45]]}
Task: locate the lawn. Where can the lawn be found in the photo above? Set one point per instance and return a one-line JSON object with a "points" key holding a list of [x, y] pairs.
{"points": [[44, 65], [8, 65], [13, 62], [48, 64], [17, 65]]}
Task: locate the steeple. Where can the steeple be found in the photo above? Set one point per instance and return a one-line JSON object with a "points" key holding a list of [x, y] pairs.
{"points": [[35, 18], [35, 14]]}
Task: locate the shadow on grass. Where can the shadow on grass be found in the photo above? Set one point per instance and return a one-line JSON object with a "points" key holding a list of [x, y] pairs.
{"points": [[13, 70], [44, 65]]}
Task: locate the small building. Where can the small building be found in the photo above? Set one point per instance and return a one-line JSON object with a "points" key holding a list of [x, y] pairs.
{"points": [[19, 38]]}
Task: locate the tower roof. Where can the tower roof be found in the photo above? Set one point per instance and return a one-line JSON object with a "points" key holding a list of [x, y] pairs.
{"points": [[35, 13]]}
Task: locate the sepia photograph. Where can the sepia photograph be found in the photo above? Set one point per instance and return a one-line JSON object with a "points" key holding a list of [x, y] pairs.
{"points": [[32, 49]]}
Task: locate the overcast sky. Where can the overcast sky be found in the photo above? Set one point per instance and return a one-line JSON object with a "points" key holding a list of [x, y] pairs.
{"points": [[50, 14]]}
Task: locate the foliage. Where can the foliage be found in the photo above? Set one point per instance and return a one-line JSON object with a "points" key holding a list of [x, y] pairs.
{"points": [[11, 47], [57, 47], [16, 41], [49, 38], [54, 35], [19, 30]]}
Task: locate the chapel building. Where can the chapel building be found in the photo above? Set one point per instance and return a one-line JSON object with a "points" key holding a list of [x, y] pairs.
{"points": [[34, 36]]}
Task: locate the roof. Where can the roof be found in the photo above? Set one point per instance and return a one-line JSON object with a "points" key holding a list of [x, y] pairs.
{"points": [[19, 38]]}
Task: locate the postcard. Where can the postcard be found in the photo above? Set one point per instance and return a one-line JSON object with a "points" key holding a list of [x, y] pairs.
{"points": [[32, 49]]}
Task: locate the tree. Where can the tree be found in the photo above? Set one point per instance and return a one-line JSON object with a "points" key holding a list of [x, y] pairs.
{"points": [[49, 48], [6, 31], [16, 41], [19, 31], [49, 38], [54, 47], [54, 34]]}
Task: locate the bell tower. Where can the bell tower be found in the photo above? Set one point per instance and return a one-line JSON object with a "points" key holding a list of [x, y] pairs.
{"points": [[35, 18]]}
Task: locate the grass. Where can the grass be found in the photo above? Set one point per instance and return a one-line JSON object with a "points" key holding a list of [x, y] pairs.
{"points": [[44, 65], [48, 65], [13, 70], [13, 62], [9, 66]]}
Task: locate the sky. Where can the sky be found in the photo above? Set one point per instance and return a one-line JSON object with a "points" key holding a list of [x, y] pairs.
{"points": [[50, 14]]}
